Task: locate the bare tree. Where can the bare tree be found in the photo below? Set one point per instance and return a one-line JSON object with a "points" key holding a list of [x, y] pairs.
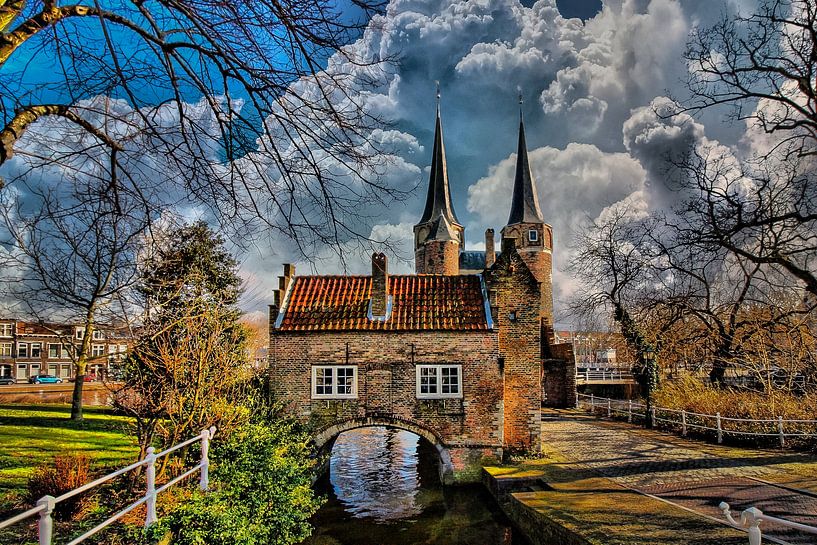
{"points": [[228, 100], [764, 68], [71, 255], [613, 271]]}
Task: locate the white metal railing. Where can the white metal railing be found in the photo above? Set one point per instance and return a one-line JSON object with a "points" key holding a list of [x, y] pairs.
{"points": [[46, 504], [686, 420], [602, 375], [751, 518]]}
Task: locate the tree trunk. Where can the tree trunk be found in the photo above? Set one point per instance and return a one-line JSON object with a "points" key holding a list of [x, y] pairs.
{"points": [[82, 366], [76, 399], [717, 376]]}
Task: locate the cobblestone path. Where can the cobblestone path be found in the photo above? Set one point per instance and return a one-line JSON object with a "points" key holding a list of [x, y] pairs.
{"points": [[692, 474]]}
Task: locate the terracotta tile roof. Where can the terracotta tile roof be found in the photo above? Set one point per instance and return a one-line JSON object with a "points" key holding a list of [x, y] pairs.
{"points": [[419, 302]]}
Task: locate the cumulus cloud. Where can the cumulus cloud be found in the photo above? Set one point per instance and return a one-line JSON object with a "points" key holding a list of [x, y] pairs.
{"points": [[588, 89], [574, 184]]}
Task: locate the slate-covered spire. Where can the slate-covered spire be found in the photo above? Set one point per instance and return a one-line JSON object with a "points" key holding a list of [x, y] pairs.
{"points": [[525, 204], [438, 201]]}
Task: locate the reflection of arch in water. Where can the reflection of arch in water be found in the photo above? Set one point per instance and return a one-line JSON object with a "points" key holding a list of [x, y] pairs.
{"points": [[325, 438]]}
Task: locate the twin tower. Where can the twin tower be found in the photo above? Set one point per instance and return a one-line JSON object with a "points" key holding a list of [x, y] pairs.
{"points": [[439, 237]]}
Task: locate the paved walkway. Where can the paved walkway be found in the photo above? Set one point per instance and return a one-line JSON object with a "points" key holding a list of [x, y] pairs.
{"points": [[692, 474]]}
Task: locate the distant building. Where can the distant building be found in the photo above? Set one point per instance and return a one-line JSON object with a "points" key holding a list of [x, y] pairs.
{"points": [[33, 348], [596, 348]]}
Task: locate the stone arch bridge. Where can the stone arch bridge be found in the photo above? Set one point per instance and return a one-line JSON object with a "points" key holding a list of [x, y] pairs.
{"points": [[324, 438]]}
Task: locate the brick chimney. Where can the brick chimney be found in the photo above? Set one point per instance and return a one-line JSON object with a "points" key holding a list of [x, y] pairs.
{"points": [[283, 285], [490, 249], [380, 284]]}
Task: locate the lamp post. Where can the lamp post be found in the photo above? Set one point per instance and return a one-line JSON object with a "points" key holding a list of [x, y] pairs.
{"points": [[652, 380]]}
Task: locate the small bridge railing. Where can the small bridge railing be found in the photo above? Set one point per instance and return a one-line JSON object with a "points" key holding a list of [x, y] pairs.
{"points": [[45, 505], [685, 420], [586, 376], [751, 518]]}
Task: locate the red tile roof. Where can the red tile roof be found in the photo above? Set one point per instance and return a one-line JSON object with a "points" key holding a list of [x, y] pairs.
{"points": [[419, 302]]}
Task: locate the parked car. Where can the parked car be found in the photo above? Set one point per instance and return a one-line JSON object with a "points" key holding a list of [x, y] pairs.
{"points": [[44, 379], [90, 377], [7, 380]]}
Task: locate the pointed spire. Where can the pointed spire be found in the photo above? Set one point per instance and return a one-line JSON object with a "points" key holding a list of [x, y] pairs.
{"points": [[525, 203], [438, 201]]}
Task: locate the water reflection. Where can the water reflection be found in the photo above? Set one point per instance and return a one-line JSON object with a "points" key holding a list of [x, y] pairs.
{"points": [[384, 488]]}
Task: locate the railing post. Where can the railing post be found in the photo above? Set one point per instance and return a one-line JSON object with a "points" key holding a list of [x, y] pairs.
{"points": [[630, 411], [609, 408], [753, 515], [577, 400], [652, 417], [45, 527], [150, 488], [720, 429], [204, 478], [683, 423], [780, 431], [592, 404]]}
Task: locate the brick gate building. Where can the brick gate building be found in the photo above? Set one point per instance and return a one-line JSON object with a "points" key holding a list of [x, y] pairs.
{"points": [[458, 353]]}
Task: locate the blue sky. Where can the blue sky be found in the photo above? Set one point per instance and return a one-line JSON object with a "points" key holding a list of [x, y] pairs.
{"points": [[590, 79]]}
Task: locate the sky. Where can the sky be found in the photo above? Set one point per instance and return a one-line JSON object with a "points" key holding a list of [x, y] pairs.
{"points": [[592, 75]]}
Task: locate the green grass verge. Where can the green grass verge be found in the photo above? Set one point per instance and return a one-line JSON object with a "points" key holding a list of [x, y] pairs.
{"points": [[31, 435]]}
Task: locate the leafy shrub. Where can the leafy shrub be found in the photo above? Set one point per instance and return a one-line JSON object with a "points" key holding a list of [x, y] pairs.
{"points": [[261, 492], [65, 473]]}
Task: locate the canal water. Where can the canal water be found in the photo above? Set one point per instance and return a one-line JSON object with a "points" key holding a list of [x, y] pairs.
{"points": [[383, 488]]}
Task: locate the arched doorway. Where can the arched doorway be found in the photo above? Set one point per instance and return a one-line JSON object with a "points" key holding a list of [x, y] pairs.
{"points": [[325, 438]]}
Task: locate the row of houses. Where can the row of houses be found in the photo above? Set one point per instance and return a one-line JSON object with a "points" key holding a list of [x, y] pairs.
{"points": [[32, 348]]}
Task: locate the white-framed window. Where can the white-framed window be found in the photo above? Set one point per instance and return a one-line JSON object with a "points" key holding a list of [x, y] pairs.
{"points": [[5, 349], [111, 349], [6, 330], [66, 351], [123, 348], [79, 332], [439, 381], [22, 350], [97, 350], [54, 351], [334, 381], [97, 335], [36, 350], [533, 235]]}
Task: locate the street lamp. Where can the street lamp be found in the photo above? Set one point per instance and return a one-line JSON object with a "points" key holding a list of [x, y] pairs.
{"points": [[652, 380]]}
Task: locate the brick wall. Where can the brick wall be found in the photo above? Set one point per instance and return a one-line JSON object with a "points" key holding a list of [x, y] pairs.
{"points": [[558, 383], [438, 257], [386, 364], [538, 257], [515, 308]]}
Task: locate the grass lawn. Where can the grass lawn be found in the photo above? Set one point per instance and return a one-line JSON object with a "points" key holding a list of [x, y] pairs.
{"points": [[31, 435]]}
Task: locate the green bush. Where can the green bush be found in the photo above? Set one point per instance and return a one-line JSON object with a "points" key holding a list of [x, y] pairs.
{"points": [[261, 492]]}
